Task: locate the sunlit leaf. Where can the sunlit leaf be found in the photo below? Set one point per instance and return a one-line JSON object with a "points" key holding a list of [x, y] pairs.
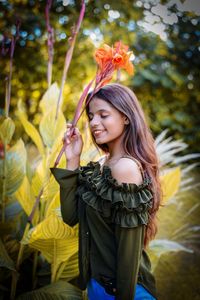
{"points": [[50, 98], [26, 198], [15, 168], [170, 183], [51, 129], [60, 290], [30, 129], [69, 268], [7, 129], [54, 204], [56, 241]]}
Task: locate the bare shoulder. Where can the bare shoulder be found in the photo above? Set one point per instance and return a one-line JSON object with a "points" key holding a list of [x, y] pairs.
{"points": [[127, 171]]}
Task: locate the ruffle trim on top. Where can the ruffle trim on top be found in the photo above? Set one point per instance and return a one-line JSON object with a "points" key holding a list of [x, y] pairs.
{"points": [[125, 204]]}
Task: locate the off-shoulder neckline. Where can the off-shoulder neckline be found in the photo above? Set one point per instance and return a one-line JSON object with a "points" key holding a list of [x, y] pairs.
{"points": [[106, 172]]}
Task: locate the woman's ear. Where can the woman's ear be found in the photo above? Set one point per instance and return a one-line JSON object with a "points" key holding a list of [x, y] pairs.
{"points": [[126, 121]]}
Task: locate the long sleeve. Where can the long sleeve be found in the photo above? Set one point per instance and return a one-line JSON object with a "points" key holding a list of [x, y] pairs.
{"points": [[68, 184], [129, 243]]}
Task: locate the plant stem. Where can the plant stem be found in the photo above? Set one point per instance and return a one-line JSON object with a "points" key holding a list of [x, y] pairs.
{"points": [[60, 270], [22, 246], [8, 85], [35, 261], [19, 259], [50, 42], [15, 277], [69, 54], [3, 206], [53, 265]]}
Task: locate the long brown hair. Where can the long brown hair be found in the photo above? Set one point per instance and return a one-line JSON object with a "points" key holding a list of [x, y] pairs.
{"points": [[138, 142]]}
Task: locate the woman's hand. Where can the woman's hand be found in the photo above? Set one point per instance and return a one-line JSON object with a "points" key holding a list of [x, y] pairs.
{"points": [[74, 144]]}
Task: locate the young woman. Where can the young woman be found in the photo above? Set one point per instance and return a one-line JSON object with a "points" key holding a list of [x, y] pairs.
{"points": [[114, 200]]}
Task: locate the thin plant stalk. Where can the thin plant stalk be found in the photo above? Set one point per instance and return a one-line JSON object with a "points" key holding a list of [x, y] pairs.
{"points": [[60, 271], [15, 277], [19, 259], [50, 42], [53, 264], [75, 120], [8, 85], [69, 54], [22, 246], [35, 263], [4, 186], [12, 50]]}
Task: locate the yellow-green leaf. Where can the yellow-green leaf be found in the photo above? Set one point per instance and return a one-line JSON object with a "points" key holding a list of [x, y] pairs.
{"points": [[170, 183], [15, 168], [7, 129], [54, 204], [51, 129], [26, 198], [50, 98], [69, 268], [56, 240], [30, 129]]}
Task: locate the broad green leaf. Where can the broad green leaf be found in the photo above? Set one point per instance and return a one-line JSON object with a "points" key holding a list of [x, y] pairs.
{"points": [[30, 129], [60, 290], [7, 129], [26, 198], [68, 269], [55, 151], [170, 183], [15, 168], [41, 177], [51, 129], [5, 260], [50, 98], [54, 204], [56, 241]]}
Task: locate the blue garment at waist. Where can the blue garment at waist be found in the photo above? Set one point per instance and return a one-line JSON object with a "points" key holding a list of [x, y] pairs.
{"points": [[97, 292]]}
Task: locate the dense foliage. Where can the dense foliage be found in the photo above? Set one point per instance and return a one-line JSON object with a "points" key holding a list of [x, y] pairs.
{"points": [[166, 76]]}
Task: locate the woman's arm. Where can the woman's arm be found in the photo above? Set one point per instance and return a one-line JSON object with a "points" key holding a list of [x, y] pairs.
{"points": [[129, 250], [129, 240]]}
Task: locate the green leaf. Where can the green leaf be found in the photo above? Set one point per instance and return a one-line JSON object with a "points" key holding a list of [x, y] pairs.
{"points": [[50, 98], [27, 200], [30, 129], [50, 129], [15, 168], [60, 290], [7, 129]]}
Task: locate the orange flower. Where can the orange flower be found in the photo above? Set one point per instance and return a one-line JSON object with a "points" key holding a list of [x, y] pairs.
{"points": [[118, 57]]}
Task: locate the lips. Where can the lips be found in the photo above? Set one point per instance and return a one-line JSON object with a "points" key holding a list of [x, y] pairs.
{"points": [[97, 132]]}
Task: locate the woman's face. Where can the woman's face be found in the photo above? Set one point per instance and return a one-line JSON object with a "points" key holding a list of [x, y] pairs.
{"points": [[106, 123]]}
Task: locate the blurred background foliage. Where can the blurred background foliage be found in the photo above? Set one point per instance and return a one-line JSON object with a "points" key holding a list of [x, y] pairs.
{"points": [[167, 60], [164, 37]]}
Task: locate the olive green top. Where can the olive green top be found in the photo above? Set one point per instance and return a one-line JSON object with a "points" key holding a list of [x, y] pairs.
{"points": [[112, 219]]}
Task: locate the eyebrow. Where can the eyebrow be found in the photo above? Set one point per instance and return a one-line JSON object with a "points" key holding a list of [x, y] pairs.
{"points": [[100, 110]]}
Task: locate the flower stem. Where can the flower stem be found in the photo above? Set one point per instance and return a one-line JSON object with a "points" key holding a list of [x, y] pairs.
{"points": [[69, 54], [50, 42]]}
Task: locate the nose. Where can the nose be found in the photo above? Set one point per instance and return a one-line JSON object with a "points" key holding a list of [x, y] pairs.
{"points": [[94, 122]]}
